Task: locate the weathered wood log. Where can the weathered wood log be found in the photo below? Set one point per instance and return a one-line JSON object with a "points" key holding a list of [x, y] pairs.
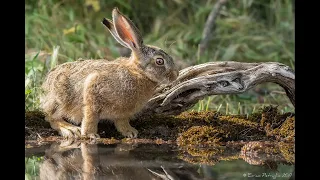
{"points": [[217, 78]]}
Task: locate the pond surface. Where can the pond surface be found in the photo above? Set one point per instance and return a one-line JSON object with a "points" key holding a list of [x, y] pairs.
{"points": [[142, 161]]}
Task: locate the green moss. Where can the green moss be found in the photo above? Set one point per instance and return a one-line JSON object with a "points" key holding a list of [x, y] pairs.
{"points": [[200, 135], [287, 151], [241, 129], [287, 130], [206, 116]]}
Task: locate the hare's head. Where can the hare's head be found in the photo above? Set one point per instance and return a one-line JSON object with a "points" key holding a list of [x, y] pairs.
{"points": [[157, 65]]}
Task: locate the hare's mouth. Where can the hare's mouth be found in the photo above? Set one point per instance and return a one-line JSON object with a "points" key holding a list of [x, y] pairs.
{"points": [[165, 80], [173, 76]]}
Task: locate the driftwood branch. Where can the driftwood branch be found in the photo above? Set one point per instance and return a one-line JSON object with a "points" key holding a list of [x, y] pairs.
{"points": [[217, 78], [209, 26]]}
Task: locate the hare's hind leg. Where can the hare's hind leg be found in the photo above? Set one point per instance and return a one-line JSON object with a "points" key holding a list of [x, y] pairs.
{"points": [[64, 128], [55, 118], [125, 128]]}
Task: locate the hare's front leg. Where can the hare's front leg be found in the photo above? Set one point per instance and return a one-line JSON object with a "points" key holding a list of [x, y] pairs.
{"points": [[89, 126], [125, 128]]}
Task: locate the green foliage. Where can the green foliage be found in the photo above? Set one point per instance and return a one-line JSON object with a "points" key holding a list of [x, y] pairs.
{"points": [[33, 73], [250, 31], [32, 167]]}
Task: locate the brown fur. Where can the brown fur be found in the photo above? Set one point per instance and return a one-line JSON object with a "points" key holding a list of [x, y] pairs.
{"points": [[87, 91]]}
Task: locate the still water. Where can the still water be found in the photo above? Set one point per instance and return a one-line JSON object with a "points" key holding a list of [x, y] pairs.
{"points": [[144, 161]]}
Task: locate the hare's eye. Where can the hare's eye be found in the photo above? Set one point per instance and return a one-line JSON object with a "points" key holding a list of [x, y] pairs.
{"points": [[159, 61]]}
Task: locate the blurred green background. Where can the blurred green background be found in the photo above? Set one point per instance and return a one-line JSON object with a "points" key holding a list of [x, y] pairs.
{"points": [[245, 30]]}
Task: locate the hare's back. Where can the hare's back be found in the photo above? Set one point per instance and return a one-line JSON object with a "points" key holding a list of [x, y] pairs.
{"points": [[72, 72]]}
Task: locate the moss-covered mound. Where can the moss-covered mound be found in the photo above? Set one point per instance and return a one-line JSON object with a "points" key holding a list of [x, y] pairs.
{"points": [[191, 128]]}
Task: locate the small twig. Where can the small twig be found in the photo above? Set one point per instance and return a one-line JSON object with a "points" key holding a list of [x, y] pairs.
{"points": [[278, 92], [39, 136]]}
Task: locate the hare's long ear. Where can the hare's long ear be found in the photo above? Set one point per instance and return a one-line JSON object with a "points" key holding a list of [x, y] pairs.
{"points": [[108, 23], [126, 30]]}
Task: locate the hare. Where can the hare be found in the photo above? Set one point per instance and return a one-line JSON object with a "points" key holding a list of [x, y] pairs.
{"points": [[86, 91]]}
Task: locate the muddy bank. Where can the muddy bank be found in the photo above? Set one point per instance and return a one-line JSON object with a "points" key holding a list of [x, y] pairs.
{"points": [[189, 128]]}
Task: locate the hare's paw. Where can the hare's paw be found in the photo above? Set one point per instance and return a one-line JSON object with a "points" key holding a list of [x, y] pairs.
{"points": [[125, 128], [70, 131], [91, 137], [129, 132]]}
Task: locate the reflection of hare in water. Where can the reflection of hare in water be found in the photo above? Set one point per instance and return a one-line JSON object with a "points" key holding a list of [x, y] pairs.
{"points": [[88, 161]]}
